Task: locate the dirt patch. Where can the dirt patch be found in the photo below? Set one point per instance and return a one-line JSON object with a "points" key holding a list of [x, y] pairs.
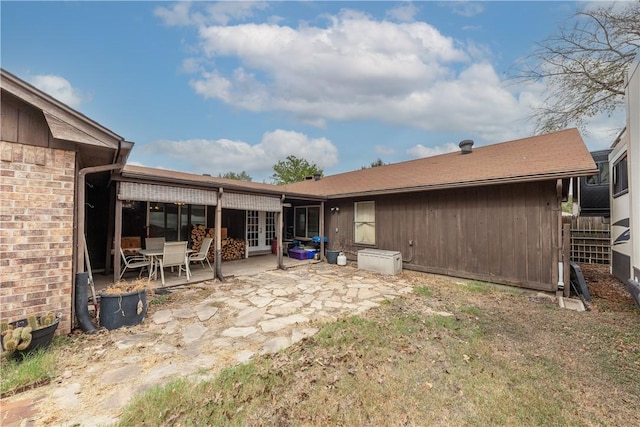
{"points": [[527, 337], [608, 293], [451, 353]]}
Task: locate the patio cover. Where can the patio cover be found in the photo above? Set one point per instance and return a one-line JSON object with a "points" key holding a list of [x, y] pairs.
{"points": [[250, 202], [196, 196], [166, 194]]}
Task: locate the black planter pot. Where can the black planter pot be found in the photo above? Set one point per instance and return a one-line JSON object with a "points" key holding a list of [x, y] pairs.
{"points": [[40, 338], [126, 309]]}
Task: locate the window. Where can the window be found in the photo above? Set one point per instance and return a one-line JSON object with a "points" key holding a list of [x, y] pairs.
{"points": [[307, 221], [174, 220], [620, 177], [365, 223], [603, 175]]}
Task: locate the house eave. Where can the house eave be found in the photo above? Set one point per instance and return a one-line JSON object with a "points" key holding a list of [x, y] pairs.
{"points": [[57, 110], [465, 184]]}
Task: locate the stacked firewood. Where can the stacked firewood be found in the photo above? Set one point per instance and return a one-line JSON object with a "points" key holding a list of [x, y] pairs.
{"points": [[198, 234], [232, 249]]}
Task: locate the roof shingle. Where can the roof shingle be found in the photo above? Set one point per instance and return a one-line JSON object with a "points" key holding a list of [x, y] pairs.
{"points": [[560, 154]]}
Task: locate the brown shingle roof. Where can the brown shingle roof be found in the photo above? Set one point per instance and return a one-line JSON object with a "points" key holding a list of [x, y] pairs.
{"points": [[560, 154]]}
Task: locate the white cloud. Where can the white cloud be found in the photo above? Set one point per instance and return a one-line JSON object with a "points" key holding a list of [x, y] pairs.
{"points": [[419, 151], [59, 88], [358, 68], [223, 155], [466, 8], [225, 11], [181, 13], [406, 12], [178, 14], [603, 130]]}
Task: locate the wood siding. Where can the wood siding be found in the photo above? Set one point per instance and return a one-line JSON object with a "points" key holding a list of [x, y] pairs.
{"points": [[23, 124], [503, 234]]}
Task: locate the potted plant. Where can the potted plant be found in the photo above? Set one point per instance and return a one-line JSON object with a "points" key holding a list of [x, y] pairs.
{"points": [[26, 335], [123, 304]]}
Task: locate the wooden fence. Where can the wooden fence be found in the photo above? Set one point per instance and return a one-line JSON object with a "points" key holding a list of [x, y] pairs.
{"points": [[590, 241]]}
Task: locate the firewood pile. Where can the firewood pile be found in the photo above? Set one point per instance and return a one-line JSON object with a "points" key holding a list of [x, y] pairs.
{"points": [[232, 248]]}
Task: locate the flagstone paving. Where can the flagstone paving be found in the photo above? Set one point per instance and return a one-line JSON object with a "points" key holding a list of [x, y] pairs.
{"points": [[214, 326]]}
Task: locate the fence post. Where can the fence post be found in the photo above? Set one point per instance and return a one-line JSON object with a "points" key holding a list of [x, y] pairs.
{"points": [[566, 258]]}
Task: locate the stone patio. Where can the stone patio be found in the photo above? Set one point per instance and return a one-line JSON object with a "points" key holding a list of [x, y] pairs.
{"points": [[213, 326]]}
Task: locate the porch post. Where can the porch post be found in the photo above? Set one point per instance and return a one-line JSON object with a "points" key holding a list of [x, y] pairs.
{"points": [[322, 231], [280, 223], [218, 225], [566, 257]]}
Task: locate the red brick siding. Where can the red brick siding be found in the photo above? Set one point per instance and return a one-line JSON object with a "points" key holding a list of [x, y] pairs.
{"points": [[36, 231]]}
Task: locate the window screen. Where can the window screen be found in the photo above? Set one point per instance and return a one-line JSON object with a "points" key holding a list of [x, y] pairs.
{"points": [[365, 223]]}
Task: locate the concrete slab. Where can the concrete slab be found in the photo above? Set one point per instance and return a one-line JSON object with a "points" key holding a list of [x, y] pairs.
{"points": [[193, 332], [250, 316], [239, 332], [276, 344], [205, 311], [571, 304], [282, 322]]}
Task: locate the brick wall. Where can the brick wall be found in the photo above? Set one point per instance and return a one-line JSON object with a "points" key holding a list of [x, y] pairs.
{"points": [[36, 232]]}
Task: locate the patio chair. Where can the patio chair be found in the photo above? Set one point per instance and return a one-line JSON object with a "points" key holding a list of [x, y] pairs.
{"points": [[154, 242], [202, 254], [134, 261], [174, 254]]}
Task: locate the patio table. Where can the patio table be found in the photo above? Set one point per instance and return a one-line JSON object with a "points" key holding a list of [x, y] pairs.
{"points": [[154, 254]]}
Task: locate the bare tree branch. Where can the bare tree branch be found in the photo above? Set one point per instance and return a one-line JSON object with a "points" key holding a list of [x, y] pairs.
{"points": [[584, 66]]}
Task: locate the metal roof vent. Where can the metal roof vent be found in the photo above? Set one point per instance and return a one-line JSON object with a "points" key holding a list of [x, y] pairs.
{"points": [[465, 146]]}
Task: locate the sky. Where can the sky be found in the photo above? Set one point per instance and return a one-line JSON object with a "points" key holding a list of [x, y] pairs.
{"points": [[217, 87]]}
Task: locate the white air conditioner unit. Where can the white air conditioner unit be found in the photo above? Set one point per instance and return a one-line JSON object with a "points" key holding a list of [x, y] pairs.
{"points": [[380, 261]]}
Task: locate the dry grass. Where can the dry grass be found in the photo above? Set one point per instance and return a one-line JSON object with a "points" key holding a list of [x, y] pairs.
{"points": [[123, 287], [446, 355]]}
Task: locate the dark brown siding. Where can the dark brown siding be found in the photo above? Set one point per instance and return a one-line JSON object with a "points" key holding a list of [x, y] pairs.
{"points": [[502, 234], [23, 124]]}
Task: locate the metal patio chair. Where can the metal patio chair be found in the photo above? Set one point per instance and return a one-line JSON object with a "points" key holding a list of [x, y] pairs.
{"points": [[202, 254], [174, 254], [154, 242], [134, 261]]}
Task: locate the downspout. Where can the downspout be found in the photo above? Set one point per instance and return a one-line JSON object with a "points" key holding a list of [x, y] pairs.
{"points": [[80, 306], [560, 240], [80, 208], [218, 225]]}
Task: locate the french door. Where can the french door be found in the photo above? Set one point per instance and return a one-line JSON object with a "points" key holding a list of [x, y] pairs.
{"points": [[261, 230]]}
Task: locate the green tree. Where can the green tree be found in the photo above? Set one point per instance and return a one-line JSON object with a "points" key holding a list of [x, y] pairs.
{"points": [[242, 176], [377, 163], [584, 66], [293, 169]]}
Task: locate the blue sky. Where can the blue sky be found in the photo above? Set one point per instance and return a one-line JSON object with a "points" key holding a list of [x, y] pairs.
{"points": [[213, 87]]}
